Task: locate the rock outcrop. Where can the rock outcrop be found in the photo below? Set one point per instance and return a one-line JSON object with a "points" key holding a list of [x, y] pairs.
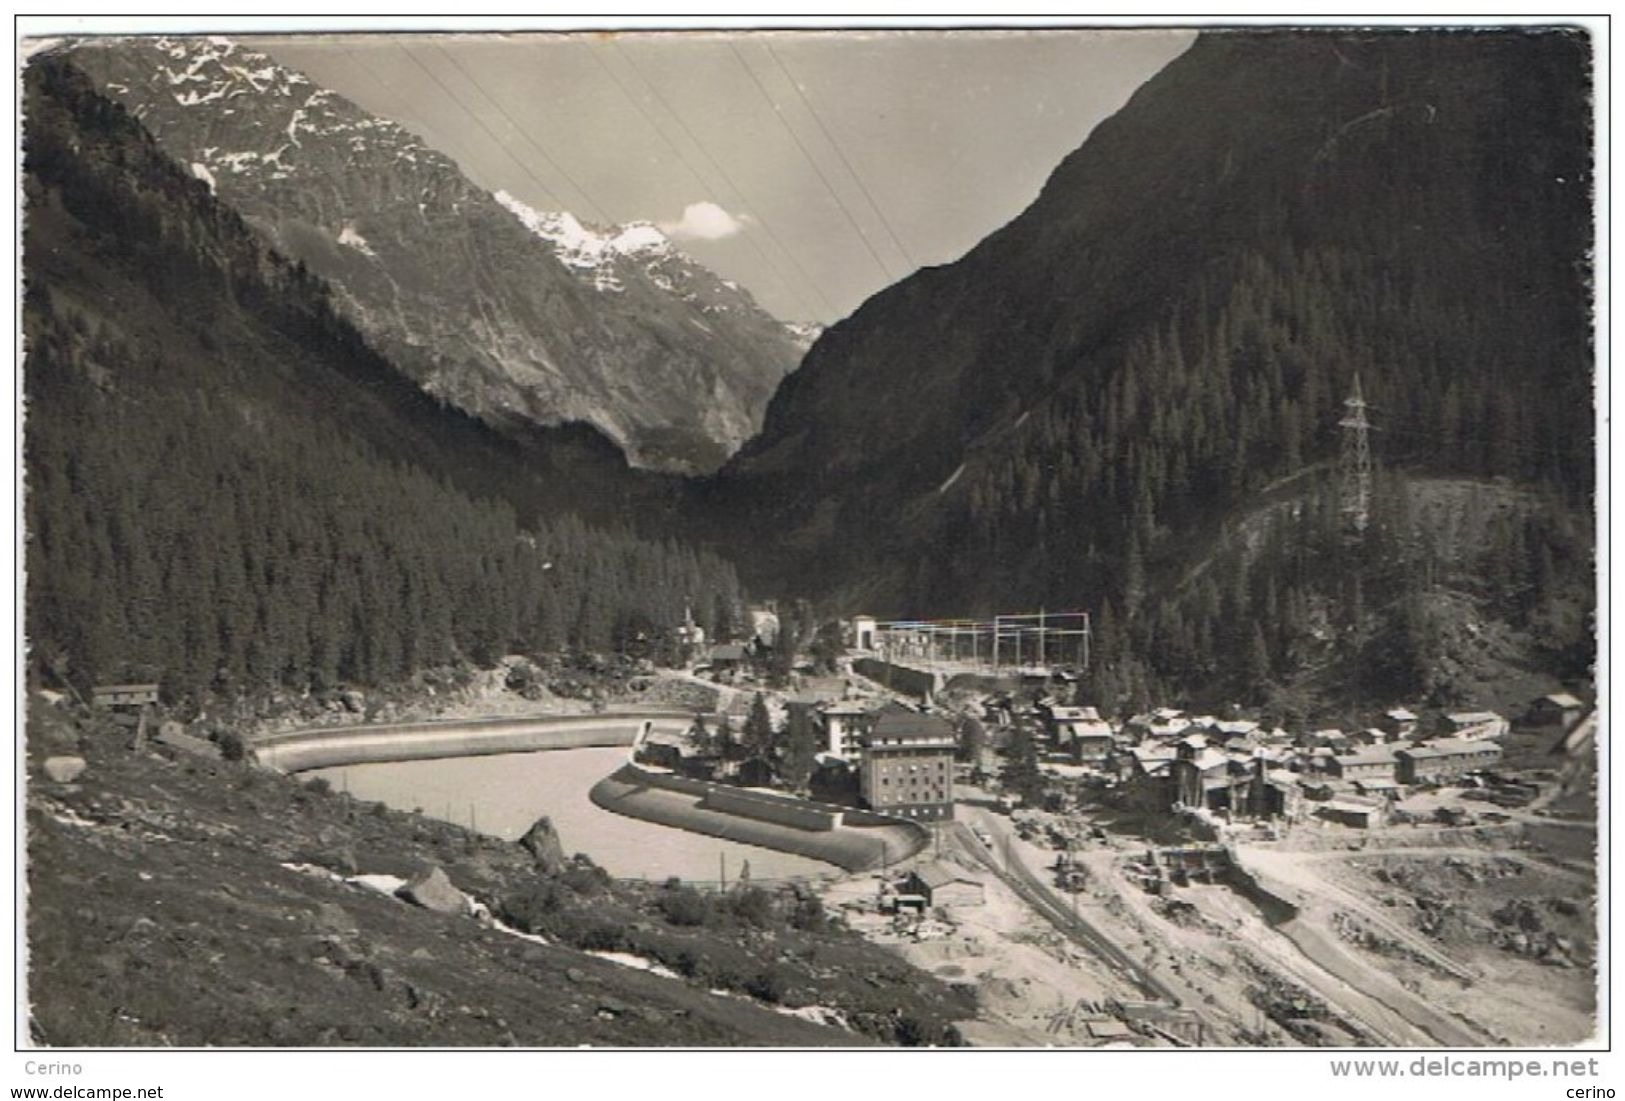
{"points": [[543, 844]]}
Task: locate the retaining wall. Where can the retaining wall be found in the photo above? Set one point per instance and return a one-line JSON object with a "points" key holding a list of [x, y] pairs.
{"points": [[862, 841], [786, 812], [900, 678], [300, 750]]}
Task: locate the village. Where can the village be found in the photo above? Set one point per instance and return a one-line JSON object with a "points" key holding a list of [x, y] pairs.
{"points": [[1161, 878], [1167, 877]]}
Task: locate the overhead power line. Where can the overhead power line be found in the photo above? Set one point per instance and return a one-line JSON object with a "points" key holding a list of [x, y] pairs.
{"points": [[839, 152], [390, 89], [597, 211], [738, 192], [811, 160], [784, 280]]}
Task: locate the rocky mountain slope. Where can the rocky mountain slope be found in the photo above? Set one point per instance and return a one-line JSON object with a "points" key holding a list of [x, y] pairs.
{"points": [[178, 899], [1173, 324], [515, 315]]}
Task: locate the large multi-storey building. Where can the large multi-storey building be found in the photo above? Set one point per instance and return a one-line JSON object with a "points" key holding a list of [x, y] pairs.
{"points": [[908, 764]]}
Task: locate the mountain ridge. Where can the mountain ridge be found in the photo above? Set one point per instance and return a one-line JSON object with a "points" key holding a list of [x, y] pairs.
{"points": [[486, 303]]}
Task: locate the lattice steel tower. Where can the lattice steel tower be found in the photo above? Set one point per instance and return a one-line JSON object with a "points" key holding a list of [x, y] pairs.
{"points": [[1356, 461]]}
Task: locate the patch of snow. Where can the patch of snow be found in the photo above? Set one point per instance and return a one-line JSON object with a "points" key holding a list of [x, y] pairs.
{"points": [[192, 98], [818, 1015], [201, 171], [293, 125], [637, 963], [313, 869], [952, 478], [585, 249], [349, 236], [636, 237], [383, 884]]}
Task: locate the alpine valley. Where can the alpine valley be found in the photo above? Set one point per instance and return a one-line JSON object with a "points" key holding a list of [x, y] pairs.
{"points": [[511, 314]]}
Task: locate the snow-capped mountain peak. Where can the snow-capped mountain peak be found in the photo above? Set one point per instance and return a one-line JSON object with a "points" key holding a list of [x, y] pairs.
{"points": [[511, 313], [589, 248]]}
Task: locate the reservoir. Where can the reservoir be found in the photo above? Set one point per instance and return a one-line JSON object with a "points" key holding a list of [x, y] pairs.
{"points": [[502, 795]]}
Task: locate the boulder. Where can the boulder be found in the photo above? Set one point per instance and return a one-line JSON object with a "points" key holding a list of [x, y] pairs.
{"points": [[64, 770], [355, 701], [543, 844], [431, 890]]}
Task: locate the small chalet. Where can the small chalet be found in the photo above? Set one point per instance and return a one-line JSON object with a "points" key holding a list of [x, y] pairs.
{"points": [[1354, 810], [1083, 731], [1398, 722], [1557, 711]]}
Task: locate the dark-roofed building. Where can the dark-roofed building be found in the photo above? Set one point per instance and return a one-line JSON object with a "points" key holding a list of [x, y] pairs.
{"points": [[1559, 710], [1082, 731], [943, 885], [1354, 810], [1444, 759], [1373, 763], [1399, 722], [908, 763]]}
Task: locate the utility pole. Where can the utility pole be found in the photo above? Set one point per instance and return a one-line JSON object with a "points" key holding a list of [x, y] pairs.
{"points": [[1355, 464]]}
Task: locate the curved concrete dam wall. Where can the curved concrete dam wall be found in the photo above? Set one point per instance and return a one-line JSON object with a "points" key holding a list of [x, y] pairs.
{"points": [[300, 750], [862, 841]]}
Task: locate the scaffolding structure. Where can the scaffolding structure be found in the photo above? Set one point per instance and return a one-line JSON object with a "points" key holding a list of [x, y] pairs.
{"points": [[1015, 642]]}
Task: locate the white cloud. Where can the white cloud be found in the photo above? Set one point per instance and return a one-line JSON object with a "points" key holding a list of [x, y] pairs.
{"points": [[704, 221]]}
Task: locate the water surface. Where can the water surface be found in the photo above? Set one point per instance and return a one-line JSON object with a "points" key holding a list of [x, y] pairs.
{"points": [[502, 795]]}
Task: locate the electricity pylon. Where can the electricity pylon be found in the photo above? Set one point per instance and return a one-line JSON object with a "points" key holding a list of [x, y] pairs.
{"points": [[1355, 465]]}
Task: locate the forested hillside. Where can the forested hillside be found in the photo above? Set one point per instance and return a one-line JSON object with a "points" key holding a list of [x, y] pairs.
{"points": [[1074, 413], [227, 488]]}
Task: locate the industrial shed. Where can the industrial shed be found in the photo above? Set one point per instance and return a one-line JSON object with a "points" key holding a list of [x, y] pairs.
{"points": [[942, 885]]}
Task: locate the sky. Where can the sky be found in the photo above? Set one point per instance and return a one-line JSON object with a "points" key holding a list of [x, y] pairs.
{"points": [[814, 168]]}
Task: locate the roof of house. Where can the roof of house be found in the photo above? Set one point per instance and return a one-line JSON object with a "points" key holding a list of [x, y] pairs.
{"points": [[1451, 747], [847, 707], [1561, 699], [935, 875], [1353, 803], [1401, 714], [1075, 714], [896, 721], [1473, 718], [1376, 755], [103, 688]]}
